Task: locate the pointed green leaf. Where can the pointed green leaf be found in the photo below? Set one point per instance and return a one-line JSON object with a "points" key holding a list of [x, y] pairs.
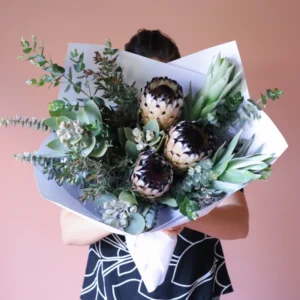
{"points": [[231, 147], [197, 108], [219, 153], [237, 79], [56, 145], [226, 186], [244, 163], [219, 168], [168, 200], [238, 176], [131, 150], [216, 90]]}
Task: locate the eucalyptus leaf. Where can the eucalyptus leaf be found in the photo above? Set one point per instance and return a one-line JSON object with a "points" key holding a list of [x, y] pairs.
{"points": [[51, 122], [131, 150], [128, 197], [100, 150], [129, 135], [92, 111], [105, 198], [56, 145], [86, 151], [168, 200], [152, 126], [136, 224], [62, 119]]}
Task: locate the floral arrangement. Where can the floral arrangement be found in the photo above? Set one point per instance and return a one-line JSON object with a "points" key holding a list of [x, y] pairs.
{"points": [[134, 152]]}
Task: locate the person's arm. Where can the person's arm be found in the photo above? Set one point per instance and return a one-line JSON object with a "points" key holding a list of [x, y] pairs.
{"points": [[228, 221], [78, 231]]}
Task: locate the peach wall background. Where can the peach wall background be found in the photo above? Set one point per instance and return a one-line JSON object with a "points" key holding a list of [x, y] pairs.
{"points": [[34, 263]]}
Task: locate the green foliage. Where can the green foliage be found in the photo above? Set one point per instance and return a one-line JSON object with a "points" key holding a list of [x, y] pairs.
{"points": [[109, 80], [228, 170], [25, 122]]}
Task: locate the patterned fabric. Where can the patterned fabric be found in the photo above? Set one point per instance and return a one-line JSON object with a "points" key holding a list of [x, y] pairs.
{"points": [[197, 271]]}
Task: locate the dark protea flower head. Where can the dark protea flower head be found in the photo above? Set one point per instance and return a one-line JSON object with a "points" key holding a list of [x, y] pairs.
{"points": [[162, 100], [152, 175], [187, 143]]}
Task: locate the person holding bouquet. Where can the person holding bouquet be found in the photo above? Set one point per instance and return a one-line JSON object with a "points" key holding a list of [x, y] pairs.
{"points": [[197, 269]]}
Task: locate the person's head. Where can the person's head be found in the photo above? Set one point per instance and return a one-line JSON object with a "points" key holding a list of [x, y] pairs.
{"points": [[153, 44]]}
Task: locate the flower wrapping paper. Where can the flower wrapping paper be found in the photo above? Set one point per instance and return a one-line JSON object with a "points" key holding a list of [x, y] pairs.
{"points": [[152, 251]]}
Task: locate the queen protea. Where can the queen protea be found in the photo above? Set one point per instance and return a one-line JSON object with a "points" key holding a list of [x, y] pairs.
{"points": [[186, 144], [162, 100], [152, 175]]}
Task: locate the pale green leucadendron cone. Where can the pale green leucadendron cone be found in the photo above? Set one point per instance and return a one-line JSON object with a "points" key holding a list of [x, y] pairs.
{"points": [[221, 81]]}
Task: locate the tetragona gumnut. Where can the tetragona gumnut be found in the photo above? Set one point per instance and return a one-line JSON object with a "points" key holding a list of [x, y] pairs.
{"points": [[186, 144], [162, 100], [152, 175]]}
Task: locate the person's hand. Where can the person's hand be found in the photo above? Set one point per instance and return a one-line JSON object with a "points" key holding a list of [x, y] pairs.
{"points": [[173, 231]]}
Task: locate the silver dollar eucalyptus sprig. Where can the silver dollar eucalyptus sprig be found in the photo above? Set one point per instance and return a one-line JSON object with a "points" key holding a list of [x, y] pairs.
{"points": [[25, 121], [35, 158]]}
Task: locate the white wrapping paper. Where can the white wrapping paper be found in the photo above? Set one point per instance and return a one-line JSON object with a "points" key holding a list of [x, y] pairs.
{"points": [[152, 251]]}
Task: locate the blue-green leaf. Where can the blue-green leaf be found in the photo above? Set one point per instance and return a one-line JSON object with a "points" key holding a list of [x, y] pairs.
{"points": [[92, 111], [128, 197], [152, 126], [100, 150], [105, 198], [168, 200], [56, 145], [128, 132], [86, 151], [136, 224], [51, 122], [131, 150]]}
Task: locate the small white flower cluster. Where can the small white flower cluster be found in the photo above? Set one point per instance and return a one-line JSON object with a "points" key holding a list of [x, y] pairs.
{"points": [[142, 139], [71, 133]]}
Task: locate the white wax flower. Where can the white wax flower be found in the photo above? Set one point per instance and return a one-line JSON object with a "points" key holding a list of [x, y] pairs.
{"points": [[149, 135]]}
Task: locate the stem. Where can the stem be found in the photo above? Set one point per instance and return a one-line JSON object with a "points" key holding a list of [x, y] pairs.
{"points": [[71, 82]]}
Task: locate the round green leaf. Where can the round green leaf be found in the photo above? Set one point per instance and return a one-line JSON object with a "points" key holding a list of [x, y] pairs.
{"points": [[86, 151], [105, 198], [100, 150], [51, 122], [136, 224], [152, 126], [93, 112]]}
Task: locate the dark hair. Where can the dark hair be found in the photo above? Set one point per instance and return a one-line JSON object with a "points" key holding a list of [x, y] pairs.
{"points": [[153, 44]]}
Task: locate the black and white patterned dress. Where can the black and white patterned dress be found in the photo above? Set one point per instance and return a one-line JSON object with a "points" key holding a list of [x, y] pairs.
{"points": [[197, 271]]}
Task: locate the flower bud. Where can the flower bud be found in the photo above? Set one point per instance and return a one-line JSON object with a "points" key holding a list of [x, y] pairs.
{"points": [[149, 135], [136, 132], [133, 209], [63, 125]]}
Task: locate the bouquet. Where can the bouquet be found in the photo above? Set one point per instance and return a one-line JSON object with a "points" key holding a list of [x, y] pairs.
{"points": [[141, 146]]}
